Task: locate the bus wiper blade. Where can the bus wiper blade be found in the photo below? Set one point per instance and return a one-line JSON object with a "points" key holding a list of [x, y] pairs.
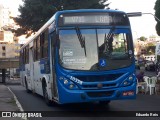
{"points": [[108, 38], [81, 39], [110, 34]]}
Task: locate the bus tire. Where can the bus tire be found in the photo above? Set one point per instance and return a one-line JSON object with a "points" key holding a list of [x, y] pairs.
{"points": [[45, 94], [26, 85], [104, 102]]}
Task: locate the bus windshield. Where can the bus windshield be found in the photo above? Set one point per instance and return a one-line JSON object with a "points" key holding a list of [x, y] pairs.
{"points": [[95, 49]]}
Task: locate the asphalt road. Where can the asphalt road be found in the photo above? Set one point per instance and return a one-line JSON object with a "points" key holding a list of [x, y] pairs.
{"points": [[88, 111], [34, 102]]}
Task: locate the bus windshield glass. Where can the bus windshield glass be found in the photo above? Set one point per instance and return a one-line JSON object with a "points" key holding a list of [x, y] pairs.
{"points": [[95, 49]]}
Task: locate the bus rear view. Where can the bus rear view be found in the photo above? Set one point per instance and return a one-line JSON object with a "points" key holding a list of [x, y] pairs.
{"points": [[94, 56]]}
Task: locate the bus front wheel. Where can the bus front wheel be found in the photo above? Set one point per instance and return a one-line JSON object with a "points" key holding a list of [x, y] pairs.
{"points": [[45, 95]]}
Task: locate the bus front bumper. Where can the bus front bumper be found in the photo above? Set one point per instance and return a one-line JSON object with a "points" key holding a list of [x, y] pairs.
{"points": [[77, 96]]}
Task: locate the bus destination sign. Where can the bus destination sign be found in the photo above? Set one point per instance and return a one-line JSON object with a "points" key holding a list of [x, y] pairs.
{"points": [[90, 19]]}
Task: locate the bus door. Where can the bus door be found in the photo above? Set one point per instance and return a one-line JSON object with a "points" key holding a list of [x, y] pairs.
{"points": [[54, 87], [31, 68]]}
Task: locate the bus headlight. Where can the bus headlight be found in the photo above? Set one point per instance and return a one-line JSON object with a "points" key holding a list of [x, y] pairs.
{"points": [[125, 83], [130, 78], [65, 82], [128, 81], [71, 86]]}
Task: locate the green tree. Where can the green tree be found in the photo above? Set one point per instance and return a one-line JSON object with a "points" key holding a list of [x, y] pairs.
{"points": [[142, 38], [34, 13], [150, 48], [157, 14]]}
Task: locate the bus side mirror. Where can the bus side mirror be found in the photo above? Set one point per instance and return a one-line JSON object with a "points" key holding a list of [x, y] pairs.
{"points": [[134, 14]]}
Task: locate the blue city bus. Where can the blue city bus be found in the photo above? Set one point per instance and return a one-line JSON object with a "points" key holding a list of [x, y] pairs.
{"points": [[81, 56]]}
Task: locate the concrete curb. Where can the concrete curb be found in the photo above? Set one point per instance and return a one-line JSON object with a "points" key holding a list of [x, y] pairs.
{"points": [[17, 102]]}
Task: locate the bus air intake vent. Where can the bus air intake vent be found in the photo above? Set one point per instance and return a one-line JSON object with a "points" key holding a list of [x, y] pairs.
{"points": [[95, 86], [99, 78]]}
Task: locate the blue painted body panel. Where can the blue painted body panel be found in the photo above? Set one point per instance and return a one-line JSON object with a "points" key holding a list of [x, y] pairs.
{"points": [[67, 95], [74, 96], [111, 88]]}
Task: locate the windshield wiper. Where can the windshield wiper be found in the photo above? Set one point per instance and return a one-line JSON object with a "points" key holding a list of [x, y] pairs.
{"points": [[81, 39], [109, 39]]}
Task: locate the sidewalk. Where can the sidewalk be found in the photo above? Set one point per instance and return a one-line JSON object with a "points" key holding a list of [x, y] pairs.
{"points": [[7, 102]]}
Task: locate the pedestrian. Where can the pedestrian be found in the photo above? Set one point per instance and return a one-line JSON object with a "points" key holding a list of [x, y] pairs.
{"points": [[140, 76], [141, 82]]}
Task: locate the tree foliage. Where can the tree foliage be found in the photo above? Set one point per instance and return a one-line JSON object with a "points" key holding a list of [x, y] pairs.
{"points": [[157, 14], [150, 48], [142, 38], [34, 13]]}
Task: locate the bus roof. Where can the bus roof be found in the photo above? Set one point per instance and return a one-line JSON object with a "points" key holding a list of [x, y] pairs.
{"points": [[89, 10]]}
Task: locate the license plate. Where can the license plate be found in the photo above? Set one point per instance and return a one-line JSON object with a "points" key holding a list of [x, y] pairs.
{"points": [[128, 93]]}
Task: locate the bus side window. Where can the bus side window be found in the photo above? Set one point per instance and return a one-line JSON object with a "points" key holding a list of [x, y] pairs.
{"points": [[38, 49], [53, 38], [36, 46], [44, 44], [21, 58], [24, 53], [53, 41], [27, 54]]}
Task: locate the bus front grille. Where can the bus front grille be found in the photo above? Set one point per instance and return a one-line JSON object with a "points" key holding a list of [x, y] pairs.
{"points": [[96, 87], [99, 78]]}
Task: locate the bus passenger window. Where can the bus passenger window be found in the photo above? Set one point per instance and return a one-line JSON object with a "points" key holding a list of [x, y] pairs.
{"points": [[35, 50], [53, 39], [38, 49], [44, 44], [27, 54]]}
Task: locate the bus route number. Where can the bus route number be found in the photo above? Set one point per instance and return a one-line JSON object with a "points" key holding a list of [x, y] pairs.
{"points": [[87, 19], [78, 19]]}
